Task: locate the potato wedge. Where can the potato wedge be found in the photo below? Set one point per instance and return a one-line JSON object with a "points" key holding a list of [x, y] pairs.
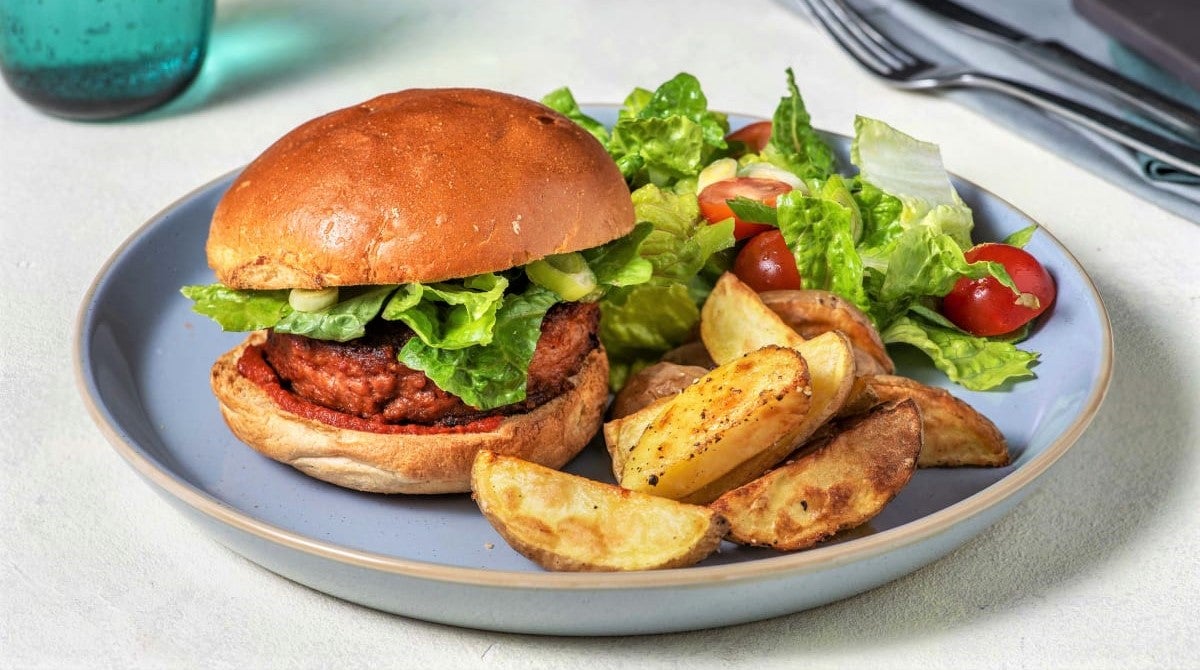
{"points": [[831, 371], [734, 317], [734, 322], [651, 383], [622, 435], [955, 433], [812, 312], [755, 404], [862, 397], [691, 353], [565, 522], [839, 484]]}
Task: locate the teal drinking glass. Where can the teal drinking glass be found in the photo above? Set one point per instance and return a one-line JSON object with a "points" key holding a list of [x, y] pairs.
{"points": [[101, 59]]}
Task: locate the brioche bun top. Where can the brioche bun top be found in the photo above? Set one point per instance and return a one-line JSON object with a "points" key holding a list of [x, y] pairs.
{"points": [[421, 185]]}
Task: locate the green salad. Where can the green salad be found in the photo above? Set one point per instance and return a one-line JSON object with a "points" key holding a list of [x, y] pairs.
{"points": [[890, 239]]}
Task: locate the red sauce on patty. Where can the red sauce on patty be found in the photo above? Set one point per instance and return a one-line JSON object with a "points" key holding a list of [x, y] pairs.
{"points": [[252, 366]]}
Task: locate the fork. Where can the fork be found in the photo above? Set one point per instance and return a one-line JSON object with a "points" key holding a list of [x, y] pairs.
{"points": [[893, 63]]}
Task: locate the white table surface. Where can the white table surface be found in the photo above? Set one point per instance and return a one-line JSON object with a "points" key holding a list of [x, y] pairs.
{"points": [[1098, 568]]}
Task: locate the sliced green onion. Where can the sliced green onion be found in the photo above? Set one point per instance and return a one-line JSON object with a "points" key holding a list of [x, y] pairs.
{"points": [[568, 275], [313, 300]]}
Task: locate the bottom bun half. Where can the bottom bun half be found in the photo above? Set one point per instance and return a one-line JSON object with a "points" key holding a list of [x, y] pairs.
{"points": [[551, 435]]}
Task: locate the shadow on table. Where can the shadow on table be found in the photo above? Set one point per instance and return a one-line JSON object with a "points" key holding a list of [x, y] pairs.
{"points": [[260, 45]]}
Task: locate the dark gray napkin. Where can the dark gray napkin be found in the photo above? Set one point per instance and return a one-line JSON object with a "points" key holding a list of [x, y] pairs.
{"points": [[1150, 75]]}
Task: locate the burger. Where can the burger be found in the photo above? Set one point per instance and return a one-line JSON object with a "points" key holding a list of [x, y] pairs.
{"points": [[420, 276]]}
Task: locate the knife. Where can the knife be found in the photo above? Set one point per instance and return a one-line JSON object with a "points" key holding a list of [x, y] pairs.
{"points": [[1061, 61]]}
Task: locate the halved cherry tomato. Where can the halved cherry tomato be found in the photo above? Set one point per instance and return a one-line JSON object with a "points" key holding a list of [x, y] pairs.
{"points": [[755, 136], [715, 208], [766, 264], [986, 307]]}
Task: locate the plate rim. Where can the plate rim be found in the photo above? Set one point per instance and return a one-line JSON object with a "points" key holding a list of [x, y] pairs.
{"points": [[813, 560]]}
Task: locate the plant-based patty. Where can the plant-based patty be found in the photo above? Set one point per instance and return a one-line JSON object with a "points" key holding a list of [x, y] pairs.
{"points": [[363, 377]]}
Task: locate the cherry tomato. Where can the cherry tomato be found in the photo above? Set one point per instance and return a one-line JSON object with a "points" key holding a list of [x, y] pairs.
{"points": [[766, 264], [755, 136], [986, 307], [715, 209]]}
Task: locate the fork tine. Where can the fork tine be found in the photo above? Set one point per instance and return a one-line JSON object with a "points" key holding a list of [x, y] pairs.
{"points": [[853, 19], [874, 50], [848, 41], [851, 26]]}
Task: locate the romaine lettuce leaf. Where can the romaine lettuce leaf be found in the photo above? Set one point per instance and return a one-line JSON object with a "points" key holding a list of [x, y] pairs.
{"points": [[976, 363], [666, 135], [926, 311], [1020, 238], [836, 189], [639, 325], [670, 211], [821, 236], [698, 249], [618, 262], [448, 315], [562, 101], [236, 310], [880, 218], [794, 144], [657, 150], [493, 375], [634, 103], [952, 220], [753, 211], [681, 242], [912, 171], [682, 96], [345, 320]]}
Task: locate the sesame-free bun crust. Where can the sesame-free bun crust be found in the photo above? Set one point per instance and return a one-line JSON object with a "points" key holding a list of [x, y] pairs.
{"points": [[420, 185], [550, 435]]}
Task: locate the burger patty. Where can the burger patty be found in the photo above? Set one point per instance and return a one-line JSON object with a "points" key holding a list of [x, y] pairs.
{"points": [[362, 377]]}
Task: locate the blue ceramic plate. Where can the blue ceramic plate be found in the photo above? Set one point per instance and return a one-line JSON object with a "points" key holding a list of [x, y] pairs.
{"points": [[143, 363]]}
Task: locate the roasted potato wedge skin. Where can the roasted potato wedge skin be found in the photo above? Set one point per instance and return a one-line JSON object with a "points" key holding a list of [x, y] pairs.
{"points": [[691, 354], [622, 435], [565, 522], [734, 322], [729, 416], [839, 483], [660, 380], [862, 396], [956, 434], [811, 312]]}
